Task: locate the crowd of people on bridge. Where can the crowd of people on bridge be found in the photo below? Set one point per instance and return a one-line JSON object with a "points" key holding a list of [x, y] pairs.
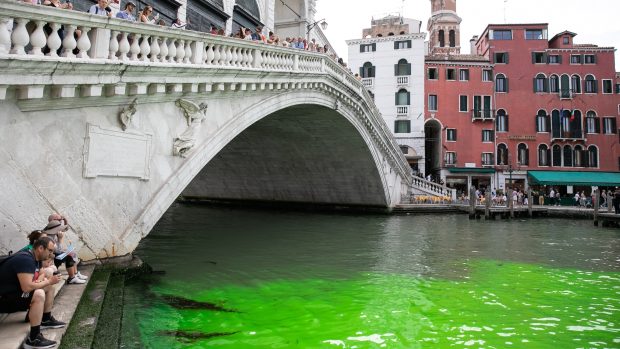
{"points": [[27, 279]]}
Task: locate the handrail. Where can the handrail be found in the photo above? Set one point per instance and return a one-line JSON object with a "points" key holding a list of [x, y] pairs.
{"points": [[104, 39]]}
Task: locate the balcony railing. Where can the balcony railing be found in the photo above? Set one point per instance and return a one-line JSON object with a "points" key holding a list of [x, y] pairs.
{"points": [[567, 135], [402, 110], [482, 114], [368, 82], [402, 80]]}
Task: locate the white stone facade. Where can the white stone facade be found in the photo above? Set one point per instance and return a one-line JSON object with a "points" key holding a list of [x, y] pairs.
{"points": [[386, 84]]}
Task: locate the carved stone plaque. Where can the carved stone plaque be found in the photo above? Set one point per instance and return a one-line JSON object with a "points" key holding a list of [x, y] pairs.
{"points": [[116, 154]]}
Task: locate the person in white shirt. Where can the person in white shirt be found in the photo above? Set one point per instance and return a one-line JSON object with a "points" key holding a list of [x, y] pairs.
{"points": [[101, 9]]}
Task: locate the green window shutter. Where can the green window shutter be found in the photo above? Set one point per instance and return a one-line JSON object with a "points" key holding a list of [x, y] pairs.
{"points": [[362, 72], [396, 45], [544, 57], [507, 127], [597, 125], [396, 69], [614, 128], [594, 59], [560, 59], [536, 124], [595, 86], [582, 58], [546, 85], [396, 98], [482, 136], [506, 55], [374, 46], [492, 135], [408, 43], [409, 99], [361, 48], [506, 85], [455, 134], [534, 85], [408, 68], [547, 123], [533, 57]]}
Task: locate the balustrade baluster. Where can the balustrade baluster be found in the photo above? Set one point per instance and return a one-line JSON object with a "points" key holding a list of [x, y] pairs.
{"points": [[37, 39], [69, 43], [172, 50], [123, 47], [5, 36], [135, 46], [222, 60], [210, 56], [216, 54], [228, 55], [234, 56], [163, 50], [83, 43], [145, 48], [155, 49], [188, 52], [20, 37], [180, 51], [113, 48]]}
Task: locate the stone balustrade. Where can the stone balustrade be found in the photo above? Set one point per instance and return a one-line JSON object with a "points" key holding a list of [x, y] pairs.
{"points": [[41, 33], [432, 188]]}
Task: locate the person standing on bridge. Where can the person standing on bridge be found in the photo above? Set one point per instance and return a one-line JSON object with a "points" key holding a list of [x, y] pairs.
{"points": [[21, 289], [127, 13]]}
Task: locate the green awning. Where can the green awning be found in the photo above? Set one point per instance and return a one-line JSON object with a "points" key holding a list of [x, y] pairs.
{"points": [[471, 170], [606, 179]]}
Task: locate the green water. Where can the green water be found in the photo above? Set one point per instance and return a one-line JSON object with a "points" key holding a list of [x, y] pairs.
{"points": [[293, 280]]}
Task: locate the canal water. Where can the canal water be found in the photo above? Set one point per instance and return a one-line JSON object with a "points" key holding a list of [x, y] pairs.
{"points": [[236, 278]]}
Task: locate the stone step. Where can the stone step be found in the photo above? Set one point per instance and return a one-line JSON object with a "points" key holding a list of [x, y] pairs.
{"points": [[108, 332]]}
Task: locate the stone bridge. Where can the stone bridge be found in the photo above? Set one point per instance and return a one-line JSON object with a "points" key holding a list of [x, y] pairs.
{"points": [[111, 128]]}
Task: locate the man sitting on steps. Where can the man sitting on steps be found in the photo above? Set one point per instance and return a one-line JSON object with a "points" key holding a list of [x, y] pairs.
{"points": [[21, 289]]}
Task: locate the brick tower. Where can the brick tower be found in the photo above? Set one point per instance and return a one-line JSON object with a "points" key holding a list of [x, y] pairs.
{"points": [[444, 28]]}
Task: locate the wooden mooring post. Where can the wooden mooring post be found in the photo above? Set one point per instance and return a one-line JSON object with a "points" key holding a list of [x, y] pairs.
{"points": [[595, 204], [529, 202], [487, 205], [511, 204], [472, 202]]}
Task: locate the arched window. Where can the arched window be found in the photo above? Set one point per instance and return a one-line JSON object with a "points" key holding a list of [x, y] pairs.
{"points": [[540, 83], [542, 121], [402, 68], [557, 155], [592, 156], [402, 32], [402, 97], [523, 154], [565, 86], [452, 38], [576, 125], [579, 156], [543, 155], [501, 83], [566, 117], [502, 154], [501, 121], [367, 70], [568, 156], [442, 40], [575, 83], [592, 122], [390, 34], [554, 84], [590, 86], [556, 125], [379, 35]]}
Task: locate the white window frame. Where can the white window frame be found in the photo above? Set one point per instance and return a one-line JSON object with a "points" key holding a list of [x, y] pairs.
{"points": [[611, 84], [448, 131], [571, 60], [447, 75], [487, 139], [488, 163], [436, 73], [436, 100], [489, 75], [450, 158], [607, 120], [463, 72], [466, 104]]}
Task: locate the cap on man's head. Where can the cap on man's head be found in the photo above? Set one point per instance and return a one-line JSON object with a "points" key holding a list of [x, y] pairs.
{"points": [[53, 227]]}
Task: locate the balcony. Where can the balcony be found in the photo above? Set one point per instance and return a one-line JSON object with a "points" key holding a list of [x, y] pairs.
{"points": [[402, 110], [564, 135], [368, 82], [402, 80], [482, 114]]}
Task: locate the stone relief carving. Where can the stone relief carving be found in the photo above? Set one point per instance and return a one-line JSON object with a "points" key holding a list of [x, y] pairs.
{"points": [[195, 115], [126, 115]]}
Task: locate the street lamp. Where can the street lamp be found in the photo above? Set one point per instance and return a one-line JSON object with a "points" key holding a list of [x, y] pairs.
{"points": [[320, 21]]}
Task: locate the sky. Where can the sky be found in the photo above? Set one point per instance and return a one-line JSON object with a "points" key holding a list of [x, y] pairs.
{"points": [[594, 21]]}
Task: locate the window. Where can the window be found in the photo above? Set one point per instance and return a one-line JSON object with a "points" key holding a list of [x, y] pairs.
{"points": [[402, 68], [501, 57], [579, 156], [592, 156], [568, 156], [482, 107], [575, 59], [556, 126], [554, 84], [589, 59], [590, 84], [442, 39], [501, 83], [565, 90], [617, 88], [450, 158], [368, 48], [450, 74], [488, 136], [404, 149], [576, 83], [501, 34], [463, 105], [402, 97], [523, 154], [557, 155], [432, 102], [543, 155], [540, 83], [565, 40], [401, 45], [542, 121], [502, 154], [367, 70], [539, 58], [464, 75], [451, 135], [554, 59], [535, 34], [451, 38], [501, 121], [487, 159], [607, 87], [402, 126], [487, 74], [592, 123], [432, 74], [609, 126]]}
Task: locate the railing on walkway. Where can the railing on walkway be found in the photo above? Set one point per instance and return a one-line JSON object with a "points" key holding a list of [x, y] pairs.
{"points": [[368, 82], [402, 80]]}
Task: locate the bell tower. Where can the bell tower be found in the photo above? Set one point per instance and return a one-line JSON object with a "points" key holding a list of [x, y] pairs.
{"points": [[444, 28]]}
